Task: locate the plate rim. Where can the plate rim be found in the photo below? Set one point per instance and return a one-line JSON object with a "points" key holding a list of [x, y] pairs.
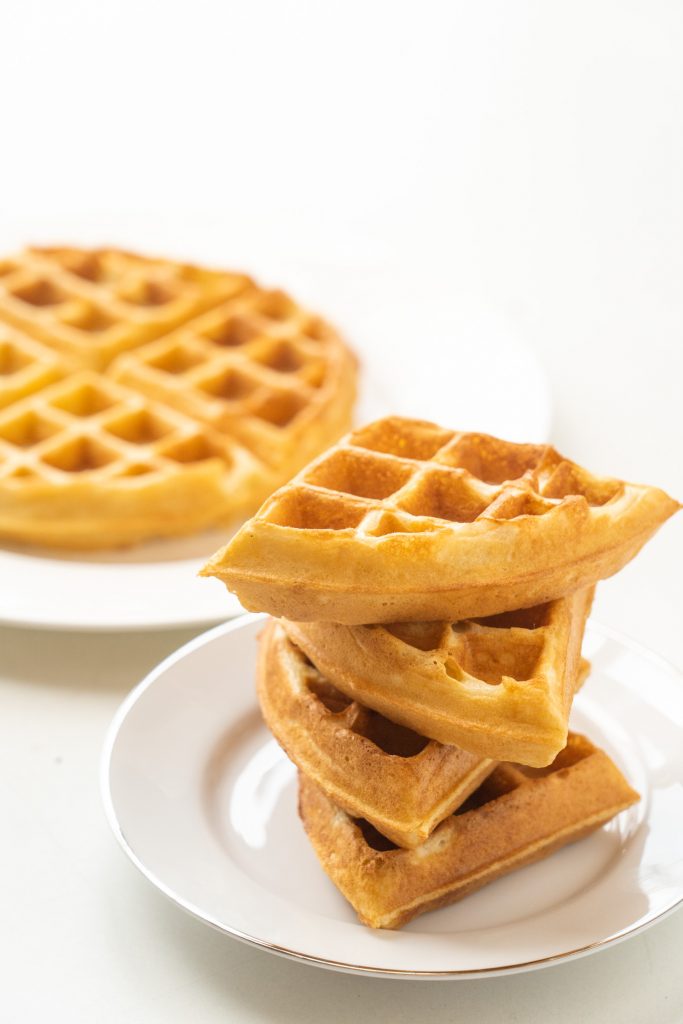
{"points": [[242, 621], [227, 606]]}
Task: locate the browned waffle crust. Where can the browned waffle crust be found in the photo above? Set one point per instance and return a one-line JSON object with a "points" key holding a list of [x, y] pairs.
{"points": [[499, 687], [398, 780], [516, 817], [406, 521]]}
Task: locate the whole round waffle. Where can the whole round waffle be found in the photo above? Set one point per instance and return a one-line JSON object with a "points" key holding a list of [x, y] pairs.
{"points": [[144, 398]]}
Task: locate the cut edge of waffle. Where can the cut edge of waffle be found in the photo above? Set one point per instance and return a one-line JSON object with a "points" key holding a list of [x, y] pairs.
{"points": [[399, 780], [501, 687]]}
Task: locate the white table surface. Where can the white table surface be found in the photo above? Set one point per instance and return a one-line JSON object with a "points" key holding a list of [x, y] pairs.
{"points": [[526, 159]]}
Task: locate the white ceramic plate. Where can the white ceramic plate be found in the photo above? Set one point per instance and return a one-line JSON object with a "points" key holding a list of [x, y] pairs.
{"points": [[500, 389], [204, 803]]}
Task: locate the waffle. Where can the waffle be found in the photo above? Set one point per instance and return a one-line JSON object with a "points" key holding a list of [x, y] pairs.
{"points": [[406, 521], [398, 780], [93, 305], [86, 463], [516, 817], [25, 365], [258, 368], [259, 384], [501, 688]]}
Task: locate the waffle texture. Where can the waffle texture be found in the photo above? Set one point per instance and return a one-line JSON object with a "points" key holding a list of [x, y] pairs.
{"points": [[144, 398], [401, 782], [501, 687], [91, 305], [516, 817], [86, 463], [406, 521]]}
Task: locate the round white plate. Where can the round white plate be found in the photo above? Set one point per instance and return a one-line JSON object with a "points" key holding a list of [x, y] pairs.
{"points": [[204, 803], [412, 363]]}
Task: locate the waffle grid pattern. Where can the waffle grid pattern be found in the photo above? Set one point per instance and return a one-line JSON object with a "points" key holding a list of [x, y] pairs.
{"points": [[401, 477], [25, 365], [94, 305], [249, 367], [88, 425], [162, 366]]}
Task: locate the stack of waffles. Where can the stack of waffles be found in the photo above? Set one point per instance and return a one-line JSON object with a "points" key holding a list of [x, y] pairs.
{"points": [[144, 398], [430, 591]]}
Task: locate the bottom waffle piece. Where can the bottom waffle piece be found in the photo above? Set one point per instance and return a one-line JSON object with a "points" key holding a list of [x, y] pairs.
{"points": [[517, 816], [401, 782]]}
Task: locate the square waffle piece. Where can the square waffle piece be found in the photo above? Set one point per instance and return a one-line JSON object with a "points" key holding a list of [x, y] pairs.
{"points": [[261, 384], [500, 687], [400, 781], [517, 816], [407, 521]]}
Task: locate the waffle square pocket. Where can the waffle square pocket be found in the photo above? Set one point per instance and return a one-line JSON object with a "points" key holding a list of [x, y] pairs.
{"points": [[404, 521], [251, 384]]}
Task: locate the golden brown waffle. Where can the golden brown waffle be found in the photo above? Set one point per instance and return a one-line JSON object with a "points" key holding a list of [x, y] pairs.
{"points": [[25, 365], [87, 463], [260, 384], [499, 687], [93, 304], [406, 521], [259, 368], [516, 817], [398, 780]]}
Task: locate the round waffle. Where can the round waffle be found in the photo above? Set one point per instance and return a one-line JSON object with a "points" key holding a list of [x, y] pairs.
{"points": [[143, 398]]}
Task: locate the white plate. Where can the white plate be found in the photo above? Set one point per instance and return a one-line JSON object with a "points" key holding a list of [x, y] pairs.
{"points": [[204, 803], [155, 586]]}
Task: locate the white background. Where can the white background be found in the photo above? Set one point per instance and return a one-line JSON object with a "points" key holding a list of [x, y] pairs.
{"points": [[522, 158]]}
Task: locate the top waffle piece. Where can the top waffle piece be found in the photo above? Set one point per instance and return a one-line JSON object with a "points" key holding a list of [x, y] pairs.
{"points": [[517, 816], [253, 384], [500, 687], [406, 521]]}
